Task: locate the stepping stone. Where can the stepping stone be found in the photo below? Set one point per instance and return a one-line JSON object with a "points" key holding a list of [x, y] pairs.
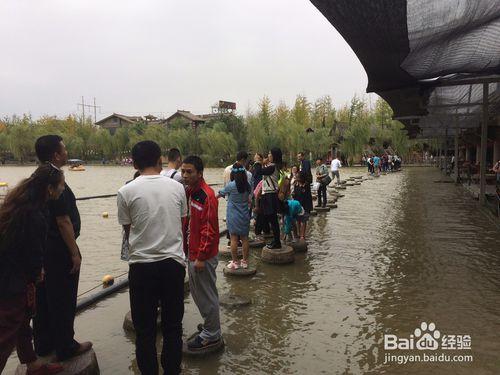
{"points": [[250, 271], [331, 205], [357, 183], [84, 364], [341, 187], [313, 213], [283, 255], [349, 184], [255, 243], [298, 246], [233, 300], [322, 209], [204, 352]]}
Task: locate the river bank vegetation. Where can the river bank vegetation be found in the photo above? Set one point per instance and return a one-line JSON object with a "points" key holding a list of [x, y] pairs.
{"points": [[316, 127]]}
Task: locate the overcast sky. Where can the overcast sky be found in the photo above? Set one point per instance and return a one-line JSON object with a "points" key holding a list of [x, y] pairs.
{"points": [[157, 56]]}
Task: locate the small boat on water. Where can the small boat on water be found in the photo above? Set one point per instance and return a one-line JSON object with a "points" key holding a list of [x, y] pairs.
{"points": [[76, 165]]}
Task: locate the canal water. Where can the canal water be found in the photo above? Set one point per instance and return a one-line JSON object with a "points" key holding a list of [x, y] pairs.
{"points": [[399, 250]]}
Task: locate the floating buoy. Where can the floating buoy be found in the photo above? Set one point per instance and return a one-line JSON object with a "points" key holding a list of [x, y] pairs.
{"points": [[283, 255], [105, 214], [108, 280], [233, 300], [4, 184], [250, 271]]}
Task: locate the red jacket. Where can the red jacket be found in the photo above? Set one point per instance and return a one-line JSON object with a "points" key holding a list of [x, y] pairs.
{"points": [[201, 229]]}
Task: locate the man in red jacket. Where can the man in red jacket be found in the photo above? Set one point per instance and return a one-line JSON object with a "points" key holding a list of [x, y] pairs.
{"points": [[201, 243]]}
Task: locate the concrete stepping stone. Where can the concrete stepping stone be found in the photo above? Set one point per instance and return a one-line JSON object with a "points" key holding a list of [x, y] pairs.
{"points": [[84, 364]]}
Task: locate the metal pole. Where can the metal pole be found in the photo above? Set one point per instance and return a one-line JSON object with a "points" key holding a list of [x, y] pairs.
{"points": [[455, 169], [484, 145]]}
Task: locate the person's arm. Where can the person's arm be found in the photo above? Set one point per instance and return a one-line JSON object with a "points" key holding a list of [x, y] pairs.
{"points": [[208, 232], [223, 192], [68, 235]]}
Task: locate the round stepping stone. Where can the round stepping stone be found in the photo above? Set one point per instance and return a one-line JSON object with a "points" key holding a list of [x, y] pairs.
{"points": [[341, 187], [299, 246], [255, 243], [322, 209], [250, 271], [349, 184], [203, 352], [313, 213], [283, 255], [128, 325], [233, 300], [357, 183], [84, 364], [331, 205]]}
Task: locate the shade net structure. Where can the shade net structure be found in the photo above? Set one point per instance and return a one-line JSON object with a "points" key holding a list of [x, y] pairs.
{"points": [[419, 55]]}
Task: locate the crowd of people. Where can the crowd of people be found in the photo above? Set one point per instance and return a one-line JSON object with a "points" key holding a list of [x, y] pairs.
{"points": [[383, 163], [170, 226]]}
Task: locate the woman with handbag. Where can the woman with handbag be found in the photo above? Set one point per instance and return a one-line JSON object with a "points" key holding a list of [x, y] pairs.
{"points": [[324, 179], [23, 230]]}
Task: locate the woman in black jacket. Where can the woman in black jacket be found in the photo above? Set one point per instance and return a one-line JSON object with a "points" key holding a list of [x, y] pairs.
{"points": [[23, 232]]}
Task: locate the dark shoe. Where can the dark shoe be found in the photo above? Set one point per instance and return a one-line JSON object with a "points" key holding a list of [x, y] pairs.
{"points": [[274, 245], [199, 327], [46, 369], [200, 344], [79, 349]]}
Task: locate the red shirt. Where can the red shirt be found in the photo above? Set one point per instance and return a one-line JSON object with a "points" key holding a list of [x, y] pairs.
{"points": [[201, 228]]}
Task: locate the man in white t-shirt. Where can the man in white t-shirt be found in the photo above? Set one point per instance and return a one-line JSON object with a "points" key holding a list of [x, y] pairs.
{"points": [[151, 209], [174, 163], [242, 159], [335, 166]]}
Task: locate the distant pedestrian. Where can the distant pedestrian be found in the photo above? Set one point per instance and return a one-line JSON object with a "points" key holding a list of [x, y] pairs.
{"points": [[335, 167], [305, 166], [174, 163], [324, 179]]}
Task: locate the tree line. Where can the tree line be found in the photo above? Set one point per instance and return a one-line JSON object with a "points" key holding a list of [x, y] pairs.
{"points": [[317, 127]]}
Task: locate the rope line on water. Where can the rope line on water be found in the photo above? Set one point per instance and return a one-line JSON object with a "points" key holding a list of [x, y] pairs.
{"points": [[100, 285]]}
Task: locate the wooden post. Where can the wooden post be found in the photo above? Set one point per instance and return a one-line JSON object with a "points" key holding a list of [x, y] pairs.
{"points": [[484, 145], [455, 169]]}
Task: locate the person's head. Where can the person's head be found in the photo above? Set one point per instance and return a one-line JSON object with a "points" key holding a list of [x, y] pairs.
{"points": [[300, 156], [242, 157], [192, 170], [301, 177], [50, 148], [295, 170], [275, 156], [239, 175], [258, 158], [319, 161], [174, 157], [146, 155], [47, 182]]}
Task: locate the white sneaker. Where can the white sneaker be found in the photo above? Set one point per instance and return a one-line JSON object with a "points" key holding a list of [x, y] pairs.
{"points": [[233, 265]]}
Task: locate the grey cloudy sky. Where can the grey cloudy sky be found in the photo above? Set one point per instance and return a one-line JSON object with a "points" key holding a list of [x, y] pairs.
{"points": [[157, 56]]}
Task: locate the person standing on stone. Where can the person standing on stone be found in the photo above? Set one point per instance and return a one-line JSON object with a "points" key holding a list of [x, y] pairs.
{"points": [[151, 209], [56, 295], [335, 166], [201, 243], [269, 201], [23, 230], [305, 166], [174, 163], [321, 177]]}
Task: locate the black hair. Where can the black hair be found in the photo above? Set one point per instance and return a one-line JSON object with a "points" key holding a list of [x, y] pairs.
{"points": [[302, 176], [46, 146], [146, 154], [173, 154], [195, 161], [277, 157], [319, 158], [301, 153], [242, 155], [239, 175], [260, 155]]}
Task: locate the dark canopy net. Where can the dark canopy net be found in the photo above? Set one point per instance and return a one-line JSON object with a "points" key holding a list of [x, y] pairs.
{"points": [[411, 48]]}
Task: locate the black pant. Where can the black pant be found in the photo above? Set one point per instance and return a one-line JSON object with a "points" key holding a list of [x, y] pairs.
{"points": [[275, 226], [150, 284], [53, 324], [261, 225], [322, 195]]}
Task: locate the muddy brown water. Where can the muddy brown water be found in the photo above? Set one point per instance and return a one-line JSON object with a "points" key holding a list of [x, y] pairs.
{"points": [[399, 250]]}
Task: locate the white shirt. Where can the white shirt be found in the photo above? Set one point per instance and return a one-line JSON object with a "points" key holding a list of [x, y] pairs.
{"points": [[153, 206], [226, 176], [176, 174], [336, 164]]}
